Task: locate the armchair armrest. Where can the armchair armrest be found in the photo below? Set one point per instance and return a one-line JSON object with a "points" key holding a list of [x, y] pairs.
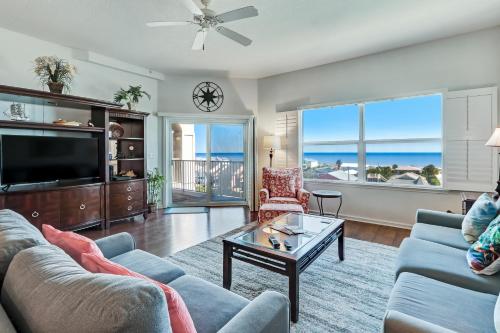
{"points": [[449, 220], [263, 196], [117, 244], [395, 321], [303, 197], [267, 313]]}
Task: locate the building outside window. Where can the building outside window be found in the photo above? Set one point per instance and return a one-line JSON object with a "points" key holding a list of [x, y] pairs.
{"points": [[396, 142]]}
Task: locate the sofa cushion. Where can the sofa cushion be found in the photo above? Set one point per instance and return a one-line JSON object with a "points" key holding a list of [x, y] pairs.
{"points": [[5, 323], [496, 315], [483, 255], [180, 320], [438, 234], [267, 172], [210, 306], [16, 234], [454, 308], [71, 243], [47, 291], [443, 263], [284, 200], [282, 185], [149, 265], [477, 219]]}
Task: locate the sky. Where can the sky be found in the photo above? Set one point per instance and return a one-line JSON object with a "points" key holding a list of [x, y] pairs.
{"points": [[417, 117], [225, 138]]}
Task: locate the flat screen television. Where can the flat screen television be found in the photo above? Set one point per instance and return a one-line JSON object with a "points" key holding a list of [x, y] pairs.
{"points": [[36, 159]]}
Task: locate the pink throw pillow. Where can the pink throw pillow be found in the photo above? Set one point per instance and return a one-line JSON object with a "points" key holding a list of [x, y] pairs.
{"points": [[73, 244], [282, 185], [180, 319]]}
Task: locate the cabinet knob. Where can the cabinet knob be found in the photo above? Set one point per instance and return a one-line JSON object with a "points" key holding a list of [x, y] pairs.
{"points": [[129, 188], [35, 214], [82, 206], [129, 198], [129, 208]]}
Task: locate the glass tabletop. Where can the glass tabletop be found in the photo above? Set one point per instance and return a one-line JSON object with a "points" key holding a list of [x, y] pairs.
{"points": [[309, 226]]}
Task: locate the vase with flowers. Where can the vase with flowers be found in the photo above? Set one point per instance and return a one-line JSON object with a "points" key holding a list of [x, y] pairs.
{"points": [[54, 72]]}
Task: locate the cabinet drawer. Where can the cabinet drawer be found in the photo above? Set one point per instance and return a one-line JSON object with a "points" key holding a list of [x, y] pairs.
{"points": [[38, 208], [125, 198], [126, 187], [122, 208], [81, 205]]}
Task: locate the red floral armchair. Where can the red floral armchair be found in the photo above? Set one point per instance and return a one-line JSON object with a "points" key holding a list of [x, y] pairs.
{"points": [[283, 186]]}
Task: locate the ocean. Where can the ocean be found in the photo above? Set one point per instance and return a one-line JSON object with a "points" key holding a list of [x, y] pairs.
{"points": [[379, 159]]}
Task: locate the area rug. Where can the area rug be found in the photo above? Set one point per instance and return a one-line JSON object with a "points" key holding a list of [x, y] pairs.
{"points": [[186, 210], [348, 296]]}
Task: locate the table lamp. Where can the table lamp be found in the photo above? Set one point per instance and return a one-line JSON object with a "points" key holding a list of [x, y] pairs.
{"points": [[272, 142], [494, 141]]}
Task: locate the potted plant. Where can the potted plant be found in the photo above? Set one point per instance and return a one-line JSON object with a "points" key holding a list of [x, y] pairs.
{"points": [[155, 184], [54, 72], [131, 96]]}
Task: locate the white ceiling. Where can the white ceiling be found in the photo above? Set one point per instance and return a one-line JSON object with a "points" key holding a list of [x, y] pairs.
{"points": [[288, 34]]}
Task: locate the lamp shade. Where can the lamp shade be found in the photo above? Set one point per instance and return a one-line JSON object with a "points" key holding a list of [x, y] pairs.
{"points": [[272, 142], [494, 140]]}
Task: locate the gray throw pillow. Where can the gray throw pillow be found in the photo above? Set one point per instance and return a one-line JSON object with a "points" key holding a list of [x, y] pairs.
{"points": [[16, 234], [47, 291]]}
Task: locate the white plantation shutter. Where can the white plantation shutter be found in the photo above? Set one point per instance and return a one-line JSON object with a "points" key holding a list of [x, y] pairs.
{"points": [[287, 128], [470, 117]]}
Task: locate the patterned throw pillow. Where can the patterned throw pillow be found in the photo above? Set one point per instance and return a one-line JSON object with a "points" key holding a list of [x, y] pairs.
{"points": [[282, 185], [479, 217], [483, 255]]}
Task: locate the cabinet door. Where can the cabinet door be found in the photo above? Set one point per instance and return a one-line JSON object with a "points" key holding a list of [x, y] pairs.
{"points": [[80, 206], [38, 208]]}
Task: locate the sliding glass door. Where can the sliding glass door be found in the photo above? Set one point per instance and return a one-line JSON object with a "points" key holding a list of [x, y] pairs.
{"points": [[207, 163], [227, 162]]}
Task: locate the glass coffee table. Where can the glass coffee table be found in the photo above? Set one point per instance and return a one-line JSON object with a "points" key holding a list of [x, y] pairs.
{"points": [[253, 247]]}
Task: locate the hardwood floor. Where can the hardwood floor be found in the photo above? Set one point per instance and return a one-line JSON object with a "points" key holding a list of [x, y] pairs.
{"points": [[163, 234]]}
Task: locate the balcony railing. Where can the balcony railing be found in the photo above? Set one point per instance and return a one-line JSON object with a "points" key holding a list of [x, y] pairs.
{"points": [[226, 179]]}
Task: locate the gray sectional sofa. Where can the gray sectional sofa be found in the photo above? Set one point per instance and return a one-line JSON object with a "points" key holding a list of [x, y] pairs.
{"points": [[435, 289], [44, 290]]}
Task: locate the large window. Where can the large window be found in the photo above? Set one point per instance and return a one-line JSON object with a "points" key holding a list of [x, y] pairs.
{"points": [[397, 141]]}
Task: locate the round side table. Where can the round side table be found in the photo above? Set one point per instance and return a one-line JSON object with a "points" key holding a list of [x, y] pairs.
{"points": [[321, 194]]}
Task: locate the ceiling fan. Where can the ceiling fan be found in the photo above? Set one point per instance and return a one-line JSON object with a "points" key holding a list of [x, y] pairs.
{"points": [[207, 19]]}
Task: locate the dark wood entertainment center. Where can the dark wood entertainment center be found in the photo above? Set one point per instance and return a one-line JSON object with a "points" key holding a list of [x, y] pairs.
{"points": [[80, 204]]}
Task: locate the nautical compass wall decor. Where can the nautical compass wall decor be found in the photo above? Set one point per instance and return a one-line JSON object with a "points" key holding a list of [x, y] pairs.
{"points": [[208, 96]]}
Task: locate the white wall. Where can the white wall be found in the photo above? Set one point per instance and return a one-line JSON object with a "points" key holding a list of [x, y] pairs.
{"points": [[175, 95], [461, 62], [16, 69]]}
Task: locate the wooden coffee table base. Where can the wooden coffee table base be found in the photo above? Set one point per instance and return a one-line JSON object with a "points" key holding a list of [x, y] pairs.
{"points": [[282, 264]]}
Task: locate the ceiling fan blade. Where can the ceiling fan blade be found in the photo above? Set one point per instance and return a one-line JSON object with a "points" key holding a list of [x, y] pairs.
{"points": [[238, 14], [166, 24], [199, 40], [234, 36], [192, 7]]}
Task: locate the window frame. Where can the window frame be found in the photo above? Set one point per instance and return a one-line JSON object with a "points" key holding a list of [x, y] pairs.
{"points": [[362, 142]]}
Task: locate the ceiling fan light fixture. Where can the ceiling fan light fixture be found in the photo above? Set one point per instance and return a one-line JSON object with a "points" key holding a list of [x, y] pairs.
{"points": [[207, 19]]}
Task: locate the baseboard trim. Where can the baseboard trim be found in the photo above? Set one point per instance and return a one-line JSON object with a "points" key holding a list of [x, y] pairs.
{"points": [[371, 220]]}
